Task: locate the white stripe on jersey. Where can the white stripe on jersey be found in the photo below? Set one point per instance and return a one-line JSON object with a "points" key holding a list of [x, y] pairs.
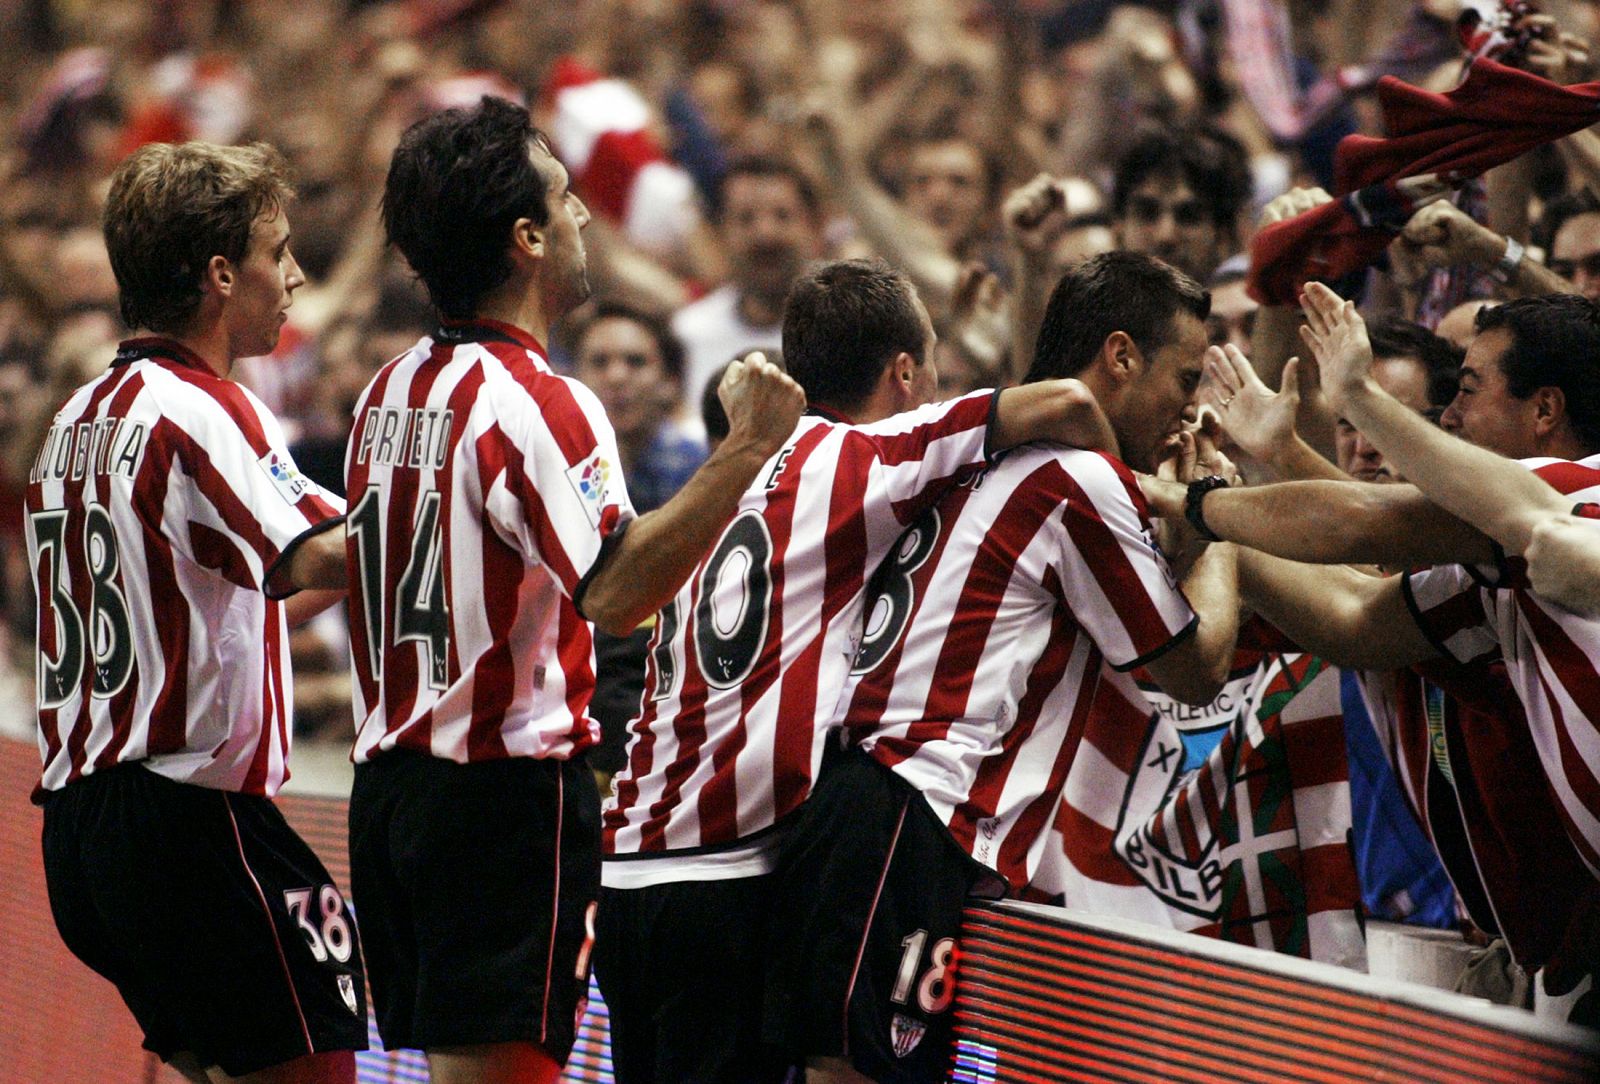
{"points": [[1551, 655], [161, 500], [482, 485], [749, 660], [1039, 568]]}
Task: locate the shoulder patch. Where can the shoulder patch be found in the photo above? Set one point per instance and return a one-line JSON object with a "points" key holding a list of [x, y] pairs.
{"points": [[286, 477], [591, 481]]}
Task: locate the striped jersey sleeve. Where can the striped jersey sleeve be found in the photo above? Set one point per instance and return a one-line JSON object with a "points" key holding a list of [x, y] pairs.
{"points": [[160, 507], [985, 639], [483, 487]]}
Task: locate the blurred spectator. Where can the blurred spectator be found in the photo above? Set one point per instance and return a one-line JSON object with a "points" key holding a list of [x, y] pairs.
{"points": [[1177, 195], [770, 225]]}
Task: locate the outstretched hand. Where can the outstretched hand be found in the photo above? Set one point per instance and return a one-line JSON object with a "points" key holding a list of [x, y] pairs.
{"points": [[1337, 336], [1258, 419], [763, 404]]}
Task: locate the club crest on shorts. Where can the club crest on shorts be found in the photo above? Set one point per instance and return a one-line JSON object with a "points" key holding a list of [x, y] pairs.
{"points": [[347, 990], [905, 1032]]}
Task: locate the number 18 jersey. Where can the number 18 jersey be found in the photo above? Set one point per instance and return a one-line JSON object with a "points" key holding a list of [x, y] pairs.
{"points": [[750, 658], [481, 486]]}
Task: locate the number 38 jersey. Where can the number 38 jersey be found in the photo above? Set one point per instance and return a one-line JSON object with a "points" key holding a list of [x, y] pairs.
{"points": [[751, 656], [481, 487], [159, 513]]}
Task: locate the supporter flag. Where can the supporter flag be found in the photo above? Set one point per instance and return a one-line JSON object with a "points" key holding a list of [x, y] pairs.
{"points": [[600, 129], [1435, 142], [1250, 846]]}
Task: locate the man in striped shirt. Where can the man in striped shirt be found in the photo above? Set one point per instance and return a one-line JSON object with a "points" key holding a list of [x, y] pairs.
{"points": [[1529, 392], [165, 521], [489, 525], [982, 652], [751, 656]]}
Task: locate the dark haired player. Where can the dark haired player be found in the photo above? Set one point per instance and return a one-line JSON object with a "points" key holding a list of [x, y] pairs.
{"points": [[165, 521], [751, 655], [981, 656], [489, 525]]}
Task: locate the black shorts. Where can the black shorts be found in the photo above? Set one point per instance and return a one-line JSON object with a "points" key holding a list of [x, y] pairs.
{"points": [[680, 967], [476, 885], [867, 909], [221, 929]]}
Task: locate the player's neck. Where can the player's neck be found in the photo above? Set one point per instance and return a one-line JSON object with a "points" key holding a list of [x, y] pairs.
{"points": [[522, 309], [209, 344]]}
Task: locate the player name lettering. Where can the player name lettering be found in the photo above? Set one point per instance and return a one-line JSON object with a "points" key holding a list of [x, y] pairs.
{"points": [[105, 447], [405, 437]]}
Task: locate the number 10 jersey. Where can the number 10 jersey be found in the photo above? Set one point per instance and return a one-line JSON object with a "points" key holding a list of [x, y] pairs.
{"points": [[749, 659]]}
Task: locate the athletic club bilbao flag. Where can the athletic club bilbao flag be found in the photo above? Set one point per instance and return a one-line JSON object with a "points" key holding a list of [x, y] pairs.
{"points": [[600, 131], [1435, 143], [1247, 843]]}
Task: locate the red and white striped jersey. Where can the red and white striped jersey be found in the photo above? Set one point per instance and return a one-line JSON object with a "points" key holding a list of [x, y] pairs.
{"points": [[748, 662], [1551, 654], [481, 486], [158, 511], [985, 637]]}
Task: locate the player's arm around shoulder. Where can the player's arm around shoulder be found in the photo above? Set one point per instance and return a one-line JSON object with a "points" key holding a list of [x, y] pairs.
{"points": [[1064, 411], [660, 549]]}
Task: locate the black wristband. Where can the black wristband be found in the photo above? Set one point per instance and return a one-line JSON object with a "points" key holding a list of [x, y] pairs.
{"points": [[1193, 502]]}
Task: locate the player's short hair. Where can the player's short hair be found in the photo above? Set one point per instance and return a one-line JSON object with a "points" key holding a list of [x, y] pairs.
{"points": [[1115, 291], [457, 183], [1210, 161], [667, 344], [1555, 342], [844, 321], [171, 208], [767, 165], [1440, 359]]}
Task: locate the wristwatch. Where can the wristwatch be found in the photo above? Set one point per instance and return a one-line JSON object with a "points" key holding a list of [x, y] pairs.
{"points": [[1195, 498]]}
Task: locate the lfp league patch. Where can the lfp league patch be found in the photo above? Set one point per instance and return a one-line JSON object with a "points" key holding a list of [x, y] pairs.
{"points": [[591, 480], [286, 477]]}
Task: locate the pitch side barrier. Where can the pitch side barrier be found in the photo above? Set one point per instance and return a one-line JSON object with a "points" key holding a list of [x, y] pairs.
{"points": [[1042, 995], [1049, 995]]}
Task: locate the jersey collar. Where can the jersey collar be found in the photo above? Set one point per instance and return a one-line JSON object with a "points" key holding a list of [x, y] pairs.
{"points": [[455, 332], [818, 410], [161, 348]]}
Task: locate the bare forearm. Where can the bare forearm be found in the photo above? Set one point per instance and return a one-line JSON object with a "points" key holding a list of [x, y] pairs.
{"points": [[1212, 588], [1329, 522], [1498, 496], [661, 548], [1297, 461], [302, 607], [1333, 611]]}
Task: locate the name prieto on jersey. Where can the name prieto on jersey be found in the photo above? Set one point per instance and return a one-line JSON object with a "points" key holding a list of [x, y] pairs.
{"points": [[105, 447], [405, 436]]}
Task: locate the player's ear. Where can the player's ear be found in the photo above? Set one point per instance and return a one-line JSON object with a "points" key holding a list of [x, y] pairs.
{"points": [[527, 238], [1120, 357], [219, 277], [1549, 409]]}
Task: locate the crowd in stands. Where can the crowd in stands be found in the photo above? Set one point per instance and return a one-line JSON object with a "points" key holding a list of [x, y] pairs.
{"points": [[983, 147]]}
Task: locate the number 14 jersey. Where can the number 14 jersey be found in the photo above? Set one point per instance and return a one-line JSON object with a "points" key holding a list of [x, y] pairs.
{"points": [[750, 658]]}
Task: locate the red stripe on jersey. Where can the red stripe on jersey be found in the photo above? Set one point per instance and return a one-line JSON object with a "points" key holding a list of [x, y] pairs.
{"points": [[494, 674], [1319, 758], [1091, 848], [689, 734], [401, 670], [561, 413], [894, 449], [1117, 577], [358, 474], [517, 480], [1576, 672], [1567, 477], [575, 650], [1587, 511], [459, 404], [168, 716], [255, 779]]}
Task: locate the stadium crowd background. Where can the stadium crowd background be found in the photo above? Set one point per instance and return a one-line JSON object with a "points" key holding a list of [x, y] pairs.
{"points": [[723, 144]]}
